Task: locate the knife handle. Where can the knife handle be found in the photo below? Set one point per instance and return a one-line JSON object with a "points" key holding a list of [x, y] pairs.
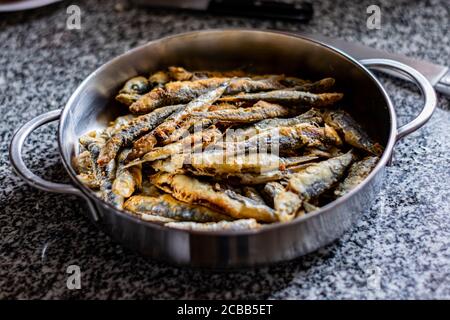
{"points": [[443, 86], [300, 11]]}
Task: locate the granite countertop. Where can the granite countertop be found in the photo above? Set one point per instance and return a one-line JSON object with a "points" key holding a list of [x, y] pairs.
{"points": [[400, 248]]}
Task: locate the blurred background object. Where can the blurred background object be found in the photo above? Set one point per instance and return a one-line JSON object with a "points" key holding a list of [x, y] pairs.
{"points": [[272, 9], [6, 6]]}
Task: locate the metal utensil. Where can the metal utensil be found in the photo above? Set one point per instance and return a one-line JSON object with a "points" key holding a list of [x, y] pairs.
{"points": [[267, 52], [439, 76], [298, 11]]}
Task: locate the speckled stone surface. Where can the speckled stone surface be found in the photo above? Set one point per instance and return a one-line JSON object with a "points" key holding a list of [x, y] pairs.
{"points": [[400, 249]]}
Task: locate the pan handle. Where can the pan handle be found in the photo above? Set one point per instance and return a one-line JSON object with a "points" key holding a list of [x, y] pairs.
{"points": [[15, 157], [424, 85]]}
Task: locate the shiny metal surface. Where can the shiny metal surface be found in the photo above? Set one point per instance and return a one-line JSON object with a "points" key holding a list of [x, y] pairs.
{"points": [[443, 86], [436, 74], [15, 157], [91, 106], [424, 85]]}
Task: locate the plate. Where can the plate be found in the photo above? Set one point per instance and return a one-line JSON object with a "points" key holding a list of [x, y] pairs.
{"points": [[20, 5]]}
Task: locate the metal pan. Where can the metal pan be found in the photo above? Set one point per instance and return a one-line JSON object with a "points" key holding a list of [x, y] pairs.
{"points": [[260, 51]]}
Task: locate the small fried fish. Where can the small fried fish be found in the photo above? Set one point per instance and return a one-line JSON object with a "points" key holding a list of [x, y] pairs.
{"points": [[185, 91], [127, 179], [83, 163], [316, 87], [260, 178], [253, 194], [246, 178], [310, 183], [283, 139], [85, 170], [188, 126], [133, 90], [179, 74], [117, 124], [259, 111], [159, 79], [356, 174], [89, 180], [104, 175], [286, 205], [192, 190], [353, 133], [250, 85], [299, 98], [270, 190], [219, 163], [312, 116], [143, 145], [202, 74], [174, 93], [167, 206], [316, 178], [294, 81]]}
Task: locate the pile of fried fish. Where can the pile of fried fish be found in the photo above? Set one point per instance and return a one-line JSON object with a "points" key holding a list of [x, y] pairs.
{"points": [[208, 150]]}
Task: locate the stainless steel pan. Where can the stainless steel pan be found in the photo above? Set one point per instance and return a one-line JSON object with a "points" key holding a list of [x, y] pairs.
{"points": [[260, 51]]}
